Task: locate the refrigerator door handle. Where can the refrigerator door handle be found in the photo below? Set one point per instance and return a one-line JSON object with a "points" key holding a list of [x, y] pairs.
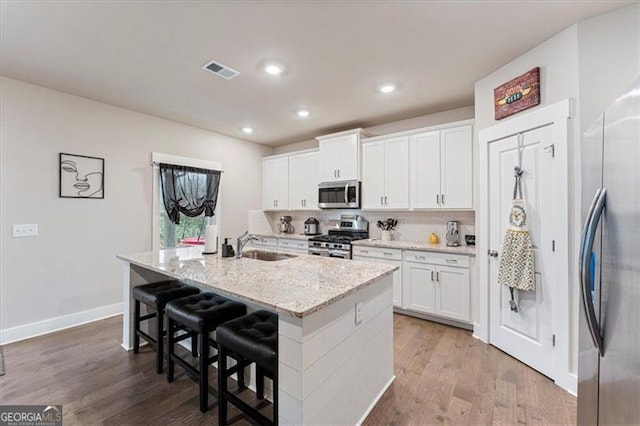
{"points": [[586, 247]]}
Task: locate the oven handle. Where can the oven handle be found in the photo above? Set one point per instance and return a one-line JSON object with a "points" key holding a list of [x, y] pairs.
{"points": [[338, 253]]}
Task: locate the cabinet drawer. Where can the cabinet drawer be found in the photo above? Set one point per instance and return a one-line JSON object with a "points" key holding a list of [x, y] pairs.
{"points": [[377, 252], [293, 244], [265, 241], [437, 258]]}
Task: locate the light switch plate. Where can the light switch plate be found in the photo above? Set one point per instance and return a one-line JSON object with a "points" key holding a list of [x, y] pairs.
{"points": [[26, 230]]}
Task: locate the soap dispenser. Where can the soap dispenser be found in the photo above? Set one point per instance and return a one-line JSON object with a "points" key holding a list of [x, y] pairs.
{"points": [[227, 249]]}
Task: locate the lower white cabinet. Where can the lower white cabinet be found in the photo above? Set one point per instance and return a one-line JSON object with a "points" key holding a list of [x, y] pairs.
{"points": [[386, 256], [293, 246], [431, 286], [269, 243]]}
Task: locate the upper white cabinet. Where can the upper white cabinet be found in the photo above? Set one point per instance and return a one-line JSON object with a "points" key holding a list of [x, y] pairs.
{"points": [[340, 156], [442, 169], [303, 181], [275, 183], [385, 174]]}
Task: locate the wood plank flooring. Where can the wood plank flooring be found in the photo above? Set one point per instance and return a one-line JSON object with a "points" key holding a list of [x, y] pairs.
{"points": [[443, 376]]}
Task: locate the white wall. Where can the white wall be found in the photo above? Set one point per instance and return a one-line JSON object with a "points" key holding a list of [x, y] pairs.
{"points": [[71, 267], [458, 114]]}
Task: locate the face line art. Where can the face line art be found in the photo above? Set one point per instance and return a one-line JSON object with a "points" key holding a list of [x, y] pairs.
{"points": [[70, 166]]}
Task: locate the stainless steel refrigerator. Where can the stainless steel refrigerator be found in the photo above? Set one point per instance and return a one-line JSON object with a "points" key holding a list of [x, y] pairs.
{"points": [[609, 335]]}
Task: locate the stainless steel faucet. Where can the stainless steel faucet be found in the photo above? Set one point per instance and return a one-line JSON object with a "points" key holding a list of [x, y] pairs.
{"points": [[242, 241]]}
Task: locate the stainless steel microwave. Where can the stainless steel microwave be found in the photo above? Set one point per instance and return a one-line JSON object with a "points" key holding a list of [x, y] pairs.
{"points": [[339, 195]]}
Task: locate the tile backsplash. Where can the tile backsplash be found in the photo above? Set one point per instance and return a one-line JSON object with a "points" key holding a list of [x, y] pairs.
{"points": [[412, 226]]}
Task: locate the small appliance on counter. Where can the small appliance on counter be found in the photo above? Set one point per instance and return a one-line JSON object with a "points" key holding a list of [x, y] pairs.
{"points": [[453, 234], [337, 243], [285, 225], [311, 226], [470, 240], [433, 238]]}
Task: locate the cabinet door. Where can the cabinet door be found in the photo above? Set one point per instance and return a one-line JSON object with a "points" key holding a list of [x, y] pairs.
{"points": [[276, 183], [419, 287], [311, 181], [298, 186], [349, 166], [397, 276], [329, 160], [373, 175], [424, 184], [397, 173], [453, 293], [456, 182]]}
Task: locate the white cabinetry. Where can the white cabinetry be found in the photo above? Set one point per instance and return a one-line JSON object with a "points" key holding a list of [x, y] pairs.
{"points": [[340, 156], [385, 174], [275, 183], [432, 286], [303, 181], [293, 246], [389, 257], [442, 169], [270, 243]]}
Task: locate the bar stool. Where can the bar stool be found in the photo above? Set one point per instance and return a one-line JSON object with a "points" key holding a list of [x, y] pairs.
{"points": [[156, 296], [201, 314], [254, 338]]}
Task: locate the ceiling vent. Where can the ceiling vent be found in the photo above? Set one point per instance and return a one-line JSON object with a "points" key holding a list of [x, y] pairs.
{"points": [[220, 70]]}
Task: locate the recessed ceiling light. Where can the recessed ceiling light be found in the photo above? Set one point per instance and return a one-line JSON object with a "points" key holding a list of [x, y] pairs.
{"points": [[273, 69], [303, 113], [386, 88], [247, 130]]}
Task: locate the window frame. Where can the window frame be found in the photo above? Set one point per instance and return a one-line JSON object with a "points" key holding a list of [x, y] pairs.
{"points": [[156, 159]]}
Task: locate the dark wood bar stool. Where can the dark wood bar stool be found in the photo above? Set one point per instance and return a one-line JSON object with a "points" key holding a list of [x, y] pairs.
{"points": [[254, 338], [201, 314], [156, 296]]}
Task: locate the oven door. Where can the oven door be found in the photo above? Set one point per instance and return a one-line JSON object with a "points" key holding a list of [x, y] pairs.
{"points": [[318, 251], [342, 254], [339, 195]]}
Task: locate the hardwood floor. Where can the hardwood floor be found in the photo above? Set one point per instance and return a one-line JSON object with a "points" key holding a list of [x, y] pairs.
{"points": [[443, 376]]}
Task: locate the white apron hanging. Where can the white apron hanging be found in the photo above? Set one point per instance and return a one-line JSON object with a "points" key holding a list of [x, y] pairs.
{"points": [[517, 263]]}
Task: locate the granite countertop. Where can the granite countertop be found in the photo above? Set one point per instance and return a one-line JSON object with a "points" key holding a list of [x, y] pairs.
{"points": [[297, 287], [411, 245]]}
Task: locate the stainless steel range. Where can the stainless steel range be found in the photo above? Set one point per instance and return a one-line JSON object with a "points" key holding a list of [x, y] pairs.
{"points": [[338, 242]]}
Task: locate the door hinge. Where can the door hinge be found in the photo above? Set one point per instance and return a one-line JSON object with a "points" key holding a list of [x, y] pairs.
{"points": [[554, 340], [553, 245], [552, 149]]}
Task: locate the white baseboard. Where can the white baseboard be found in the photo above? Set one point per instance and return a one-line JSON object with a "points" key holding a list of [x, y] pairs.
{"points": [[375, 401], [569, 383], [27, 331]]}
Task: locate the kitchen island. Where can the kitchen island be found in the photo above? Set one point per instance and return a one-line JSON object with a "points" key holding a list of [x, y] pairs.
{"points": [[335, 323]]}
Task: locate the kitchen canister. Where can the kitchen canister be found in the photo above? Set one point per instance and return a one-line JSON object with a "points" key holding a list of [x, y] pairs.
{"points": [[385, 235]]}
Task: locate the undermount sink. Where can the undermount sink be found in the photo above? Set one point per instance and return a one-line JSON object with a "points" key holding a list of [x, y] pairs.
{"points": [[266, 255]]}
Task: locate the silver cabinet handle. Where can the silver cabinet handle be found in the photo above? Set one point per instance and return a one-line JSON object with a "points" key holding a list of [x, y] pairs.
{"points": [[385, 200], [387, 254], [442, 198], [421, 257], [431, 275], [586, 247], [451, 260], [338, 172], [438, 199], [381, 198], [438, 276], [364, 251], [492, 253]]}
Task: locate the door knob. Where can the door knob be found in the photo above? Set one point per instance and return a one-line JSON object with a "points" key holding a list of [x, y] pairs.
{"points": [[492, 253]]}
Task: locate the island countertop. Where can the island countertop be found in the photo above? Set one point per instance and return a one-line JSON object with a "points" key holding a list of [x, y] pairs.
{"points": [[298, 286]]}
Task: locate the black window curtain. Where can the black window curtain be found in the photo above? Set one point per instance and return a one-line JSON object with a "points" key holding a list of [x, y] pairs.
{"points": [[189, 190]]}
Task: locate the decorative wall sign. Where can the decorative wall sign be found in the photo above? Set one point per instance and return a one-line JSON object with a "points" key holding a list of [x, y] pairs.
{"points": [[81, 176], [518, 94]]}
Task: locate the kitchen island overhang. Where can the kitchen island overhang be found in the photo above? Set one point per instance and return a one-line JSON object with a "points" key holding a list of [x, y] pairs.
{"points": [[335, 326]]}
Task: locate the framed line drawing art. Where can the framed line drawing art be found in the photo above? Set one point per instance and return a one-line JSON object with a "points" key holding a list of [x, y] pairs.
{"points": [[81, 176]]}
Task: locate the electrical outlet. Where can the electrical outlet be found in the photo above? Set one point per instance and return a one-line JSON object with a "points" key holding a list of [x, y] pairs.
{"points": [[359, 313], [28, 230]]}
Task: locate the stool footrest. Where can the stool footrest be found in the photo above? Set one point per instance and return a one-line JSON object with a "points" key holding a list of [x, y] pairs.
{"points": [[149, 316], [249, 410], [146, 337]]}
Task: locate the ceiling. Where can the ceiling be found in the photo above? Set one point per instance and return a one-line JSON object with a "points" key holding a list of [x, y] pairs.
{"points": [[146, 56]]}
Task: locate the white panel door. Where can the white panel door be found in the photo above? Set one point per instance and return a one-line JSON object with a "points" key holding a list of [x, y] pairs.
{"points": [[349, 165], [424, 185], [456, 156], [303, 181], [276, 183], [420, 287], [329, 160], [528, 333], [453, 293], [297, 181], [373, 175], [397, 173]]}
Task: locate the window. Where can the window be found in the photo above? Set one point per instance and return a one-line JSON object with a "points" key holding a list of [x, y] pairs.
{"points": [[189, 230]]}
